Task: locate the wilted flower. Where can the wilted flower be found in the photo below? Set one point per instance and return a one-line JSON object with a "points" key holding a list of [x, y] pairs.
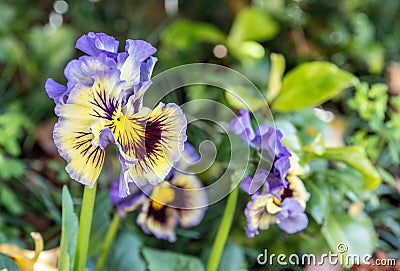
{"points": [[164, 206], [33, 260], [102, 104]]}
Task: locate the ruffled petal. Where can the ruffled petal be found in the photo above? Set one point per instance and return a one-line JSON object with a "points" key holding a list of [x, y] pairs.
{"points": [[297, 189], [156, 139], [161, 222], [89, 110], [55, 90], [294, 224], [190, 197], [255, 211], [251, 186], [95, 43], [81, 70], [241, 126], [130, 64]]}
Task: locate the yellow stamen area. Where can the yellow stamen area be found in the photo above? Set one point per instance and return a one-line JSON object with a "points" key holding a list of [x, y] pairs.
{"points": [[119, 122], [162, 194], [277, 201]]}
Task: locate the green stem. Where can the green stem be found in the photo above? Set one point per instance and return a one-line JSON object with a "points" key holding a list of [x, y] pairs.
{"points": [[112, 230], [85, 224], [223, 231]]}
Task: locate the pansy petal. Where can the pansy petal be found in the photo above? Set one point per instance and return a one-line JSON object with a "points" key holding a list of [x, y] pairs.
{"points": [[298, 190], [254, 212], [155, 139], [89, 109], [294, 224], [189, 196], [130, 65], [188, 158], [80, 70], [251, 186], [266, 220], [161, 222], [74, 142], [131, 202], [55, 90], [146, 68], [241, 126], [95, 43]]}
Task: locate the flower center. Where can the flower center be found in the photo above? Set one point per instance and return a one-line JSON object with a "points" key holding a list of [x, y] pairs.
{"points": [[162, 194], [285, 193]]}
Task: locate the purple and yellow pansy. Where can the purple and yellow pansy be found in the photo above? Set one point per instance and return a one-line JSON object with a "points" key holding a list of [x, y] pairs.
{"points": [[278, 196], [102, 104]]}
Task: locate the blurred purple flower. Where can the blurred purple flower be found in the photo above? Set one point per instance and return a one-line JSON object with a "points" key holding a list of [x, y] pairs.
{"points": [[287, 210], [291, 218], [180, 188], [275, 156]]}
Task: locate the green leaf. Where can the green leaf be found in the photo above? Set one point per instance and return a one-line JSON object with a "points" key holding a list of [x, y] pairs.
{"points": [[278, 65], [246, 50], [7, 263], [69, 232], [349, 235], [311, 84], [10, 167], [183, 33], [125, 254], [355, 157], [171, 261], [253, 25], [244, 97], [9, 200], [318, 203]]}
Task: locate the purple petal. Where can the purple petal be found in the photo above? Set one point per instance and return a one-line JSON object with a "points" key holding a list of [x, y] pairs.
{"points": [[241, 126], [94, 44], [146, 69], [139, 49], [188, 158], [292, 218], [294, 224], [55, 90], [131, 63], [106, 137], [251, 186], [131, 202], [265, 138], [292, 205], [81, 70]]}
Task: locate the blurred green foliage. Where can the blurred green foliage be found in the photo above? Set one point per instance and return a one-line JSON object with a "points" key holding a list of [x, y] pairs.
{"points": [[354, 38]]}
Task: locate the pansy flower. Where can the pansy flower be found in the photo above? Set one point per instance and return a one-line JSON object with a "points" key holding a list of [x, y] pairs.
{"points": [[179, 199], [278, 195], [102, 104], [267, 141], [285, 209]]}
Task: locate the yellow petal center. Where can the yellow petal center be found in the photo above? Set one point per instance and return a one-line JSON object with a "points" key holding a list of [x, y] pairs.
{"points": [[162, 194]]}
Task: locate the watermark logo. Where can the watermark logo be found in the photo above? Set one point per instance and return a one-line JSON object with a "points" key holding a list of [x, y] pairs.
{"points": [[342, 258]]}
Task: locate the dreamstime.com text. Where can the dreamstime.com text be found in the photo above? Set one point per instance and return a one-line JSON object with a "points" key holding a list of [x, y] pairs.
{"points": [[342, 258]]}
